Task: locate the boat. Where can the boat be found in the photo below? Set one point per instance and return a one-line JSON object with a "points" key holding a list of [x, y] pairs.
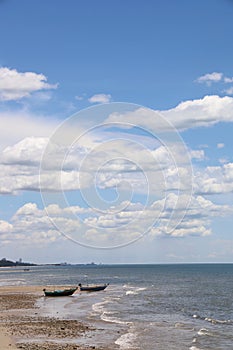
{"points": [[92, 288], [59, 292]]}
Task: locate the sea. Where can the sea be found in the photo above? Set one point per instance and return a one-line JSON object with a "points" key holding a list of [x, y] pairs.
{"points": [[159, 307]]}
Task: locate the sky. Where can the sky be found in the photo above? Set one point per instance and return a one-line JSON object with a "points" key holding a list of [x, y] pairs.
{"points": [[116, 131]]}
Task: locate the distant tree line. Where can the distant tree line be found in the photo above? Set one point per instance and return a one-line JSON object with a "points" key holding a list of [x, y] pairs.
{"points": [[4, 262]]}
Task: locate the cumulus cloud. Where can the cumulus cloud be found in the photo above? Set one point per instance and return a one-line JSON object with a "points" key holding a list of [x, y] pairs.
{"points": [[124, 166], [197, 154], [5, 227], [100, 98], [15, 85], [210, 78], [55, 224], [201, 113], [214, 180], [195, 222], [228, 80], [216, 77], [25, 125], [229, 91], [190, 114], [197, 219], [223, 160], [26, 152], [29, 226]]}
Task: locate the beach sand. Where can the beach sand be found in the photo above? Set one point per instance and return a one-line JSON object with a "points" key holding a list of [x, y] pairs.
{"points": [[22, 326], [6, 342]]}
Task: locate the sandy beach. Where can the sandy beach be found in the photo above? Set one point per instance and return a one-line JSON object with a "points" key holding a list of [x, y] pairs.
{"points": [[23, 327]]}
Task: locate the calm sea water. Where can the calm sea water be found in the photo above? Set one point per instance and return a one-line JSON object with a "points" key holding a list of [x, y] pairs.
{"points": [[145, 306]]}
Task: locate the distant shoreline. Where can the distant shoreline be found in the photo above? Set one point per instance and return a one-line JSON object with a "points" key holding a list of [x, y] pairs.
{"points": [[8, 263]]}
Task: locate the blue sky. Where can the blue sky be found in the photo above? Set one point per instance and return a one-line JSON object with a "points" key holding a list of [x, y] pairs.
{"points": [[161, 65]]}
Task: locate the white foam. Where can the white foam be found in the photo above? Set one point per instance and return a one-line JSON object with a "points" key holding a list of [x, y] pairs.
{"points": [[214, 321], [128, 286], [133, 290], [126, 341], [99, 307], [204, 331], [142, 288], [128, 292], [105, 317], [194, 348]]}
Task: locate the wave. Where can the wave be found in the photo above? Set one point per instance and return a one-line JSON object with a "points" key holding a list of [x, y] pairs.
{"points": [[133, 290], [204, 331], [126, 341], [128, 292], [105, 317], [99, 308], [213, 320], [128, 286]]}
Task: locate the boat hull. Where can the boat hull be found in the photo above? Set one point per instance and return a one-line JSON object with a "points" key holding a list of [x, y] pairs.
{"points": [[60, 293], [92, 288]]}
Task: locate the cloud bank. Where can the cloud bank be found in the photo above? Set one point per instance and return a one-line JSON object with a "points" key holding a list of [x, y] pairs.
{"points": [[15, 85]]}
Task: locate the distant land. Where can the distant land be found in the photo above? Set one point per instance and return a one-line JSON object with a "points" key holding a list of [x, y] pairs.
{"points": [[6, 263]]}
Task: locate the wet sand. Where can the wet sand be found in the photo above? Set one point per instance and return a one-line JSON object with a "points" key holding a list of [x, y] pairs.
{"points": [[22, 326]]}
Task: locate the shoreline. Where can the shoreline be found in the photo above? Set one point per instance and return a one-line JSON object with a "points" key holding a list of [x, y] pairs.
{"points": [[24, 326]]}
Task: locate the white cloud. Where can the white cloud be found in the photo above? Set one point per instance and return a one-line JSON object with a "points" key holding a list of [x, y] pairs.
{"points": [[201, 113], [20, 161], [197, 219], [28, 227], [20, 124], [190, 114], [229, 91], [15, 85], [197, 154], [124, 166], [100, 98], [217, 77], [214, 180], [223, 160], [26, 152], [137, 220], [35, 226], [220, 145], [5, 227], [228, 80], [127, 165], [210, 78]]}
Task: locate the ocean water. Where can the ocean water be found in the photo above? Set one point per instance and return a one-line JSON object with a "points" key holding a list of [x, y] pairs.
{"points": [[161, 307]]}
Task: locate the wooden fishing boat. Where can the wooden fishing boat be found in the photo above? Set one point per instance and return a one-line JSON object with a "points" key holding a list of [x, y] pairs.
{"points": [[92, 288], [59, 292]]}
